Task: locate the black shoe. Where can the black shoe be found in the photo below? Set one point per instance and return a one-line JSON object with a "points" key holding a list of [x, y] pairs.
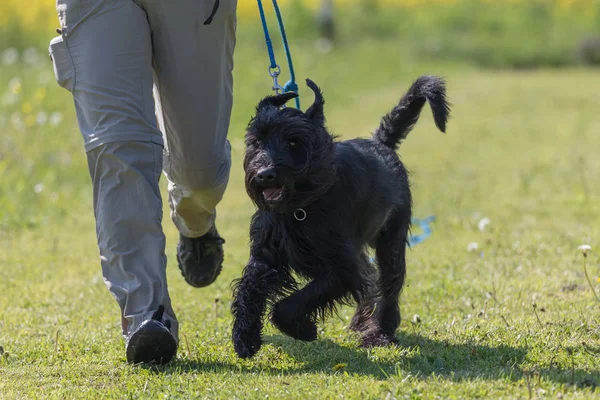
{"points": [[152, 342], [201, 259]]}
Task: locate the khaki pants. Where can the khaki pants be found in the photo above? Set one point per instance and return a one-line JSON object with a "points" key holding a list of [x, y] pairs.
{"points": [[152, 87]]}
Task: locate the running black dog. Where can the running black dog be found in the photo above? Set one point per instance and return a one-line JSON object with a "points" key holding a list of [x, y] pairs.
{"points": [[321, 203]]}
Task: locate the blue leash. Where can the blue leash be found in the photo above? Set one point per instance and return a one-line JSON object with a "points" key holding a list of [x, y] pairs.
{"points": [[274, 69]]}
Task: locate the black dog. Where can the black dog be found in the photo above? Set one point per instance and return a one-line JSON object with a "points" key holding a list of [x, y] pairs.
{"points": [[321, 202]]}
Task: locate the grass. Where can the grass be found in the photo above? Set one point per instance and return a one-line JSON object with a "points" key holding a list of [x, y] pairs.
{"points": [[521, 151]]}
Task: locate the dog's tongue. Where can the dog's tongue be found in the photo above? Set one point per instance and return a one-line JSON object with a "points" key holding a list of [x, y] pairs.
{"points": [[272, 193]]}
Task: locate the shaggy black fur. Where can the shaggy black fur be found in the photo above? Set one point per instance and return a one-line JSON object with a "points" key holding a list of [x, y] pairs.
{"points": [[353, 193]]}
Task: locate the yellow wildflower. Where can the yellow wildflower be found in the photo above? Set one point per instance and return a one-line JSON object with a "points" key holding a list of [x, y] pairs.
{"points": [[27, 107], [40, 94], [30, 120]]}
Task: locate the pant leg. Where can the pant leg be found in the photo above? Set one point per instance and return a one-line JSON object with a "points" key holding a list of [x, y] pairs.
{"points": [[193, 66], [128, 211], [104, 57]]}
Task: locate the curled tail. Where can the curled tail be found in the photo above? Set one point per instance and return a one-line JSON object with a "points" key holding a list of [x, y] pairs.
{"points": [[396, 125]]}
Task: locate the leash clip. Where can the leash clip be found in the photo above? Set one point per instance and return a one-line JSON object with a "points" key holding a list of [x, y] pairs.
{"points": [[274, 69], [274, 72]]}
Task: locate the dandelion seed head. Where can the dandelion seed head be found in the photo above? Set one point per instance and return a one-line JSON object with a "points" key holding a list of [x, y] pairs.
{"points": [[472, 246], [55, 118], [483, 223], [585, 248], [41, 118]]}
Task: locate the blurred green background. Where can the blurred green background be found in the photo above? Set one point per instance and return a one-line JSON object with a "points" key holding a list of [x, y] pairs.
{"points": [[359, 45], [495, 33]]}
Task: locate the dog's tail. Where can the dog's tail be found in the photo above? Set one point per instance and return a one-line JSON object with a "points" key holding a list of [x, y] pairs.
{"points": [[396, 125]]}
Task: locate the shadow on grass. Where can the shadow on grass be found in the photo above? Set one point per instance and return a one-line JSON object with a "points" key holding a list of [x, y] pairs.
{"points": [[415, 355]]}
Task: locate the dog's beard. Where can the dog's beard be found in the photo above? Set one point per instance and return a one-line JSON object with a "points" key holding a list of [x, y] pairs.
{"points": [[278, 197], [289, 194]]}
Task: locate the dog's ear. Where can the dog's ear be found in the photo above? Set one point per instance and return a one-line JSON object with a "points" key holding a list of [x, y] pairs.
{"points": [[315, 112], [277, 100]]}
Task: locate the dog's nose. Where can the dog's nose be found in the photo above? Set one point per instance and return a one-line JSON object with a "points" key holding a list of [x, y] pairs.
{"points": [[266, 176]]}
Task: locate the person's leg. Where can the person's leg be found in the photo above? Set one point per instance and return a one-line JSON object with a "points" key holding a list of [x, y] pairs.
{"points": [[128, 210], [104, 57], [193, 64]]}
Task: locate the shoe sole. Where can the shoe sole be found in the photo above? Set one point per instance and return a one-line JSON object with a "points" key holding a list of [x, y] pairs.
{"points": [[203, 283], [152, 343]]}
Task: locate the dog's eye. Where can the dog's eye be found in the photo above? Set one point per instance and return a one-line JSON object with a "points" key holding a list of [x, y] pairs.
{"points": [[291, 144]]}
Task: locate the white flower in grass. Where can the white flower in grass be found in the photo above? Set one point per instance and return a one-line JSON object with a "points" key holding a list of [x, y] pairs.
{"points": [[10, 56], [472, 246], [39, 188], [483, 223], [41, 118], [55, 118], [585, 248]]}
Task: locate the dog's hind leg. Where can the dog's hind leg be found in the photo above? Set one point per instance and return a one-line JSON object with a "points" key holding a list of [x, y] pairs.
{"points": [[297, 314], [391, 258], [365, 297]]}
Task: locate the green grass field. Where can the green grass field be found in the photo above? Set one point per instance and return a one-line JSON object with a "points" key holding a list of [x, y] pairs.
{"points": [[514, 318]]}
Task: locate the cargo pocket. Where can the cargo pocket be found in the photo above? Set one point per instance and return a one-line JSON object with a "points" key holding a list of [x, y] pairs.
{"points": [[61, 60]]}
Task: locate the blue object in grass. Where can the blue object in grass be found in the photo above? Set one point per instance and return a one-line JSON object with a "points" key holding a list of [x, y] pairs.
{"points": [[424, 224]]}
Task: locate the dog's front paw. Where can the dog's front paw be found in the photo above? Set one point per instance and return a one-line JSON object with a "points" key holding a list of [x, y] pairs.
{"points": [[360, 324], [362, 320], [300, 328], [246, 343], [245, 350], [376, 338]]}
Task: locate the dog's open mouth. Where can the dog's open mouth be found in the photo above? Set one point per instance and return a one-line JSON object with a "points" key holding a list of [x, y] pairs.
{"points": [[273, 194]]}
